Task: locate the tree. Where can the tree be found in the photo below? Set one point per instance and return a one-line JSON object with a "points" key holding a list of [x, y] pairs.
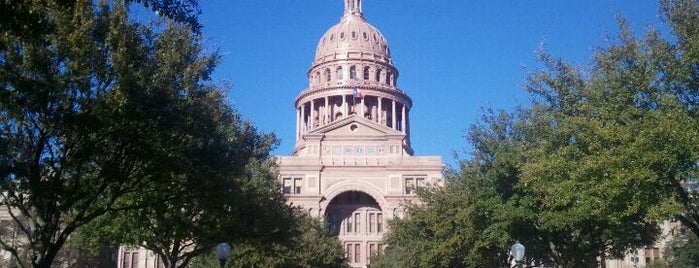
{"points": [[29, 19], [683, 250], [244, 209], [309, 245], [621, 140], [599, 158], [100, 115]]}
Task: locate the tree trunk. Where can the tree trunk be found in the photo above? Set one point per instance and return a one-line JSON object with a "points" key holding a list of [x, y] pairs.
{"points": [[46, 260]]}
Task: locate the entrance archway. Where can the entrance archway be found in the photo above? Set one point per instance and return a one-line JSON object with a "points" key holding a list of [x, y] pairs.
{"points": [[358, 220]]}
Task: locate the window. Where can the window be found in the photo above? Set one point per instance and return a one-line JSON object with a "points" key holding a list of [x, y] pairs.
{"points": [[412, 183], [339, 73], [375, 222], [374, 249], [348, 149], [327, 75], [359, 150], [297, 186], [366, 73], [369, 150], [126, 261], [378, 75], [389, 76], [353, 72], [409, 185], [348, 225], [353, 251], [134, 260], [334, 222], [357, 223], [292, 185], [287, 186], [337, 149], [317, 78]]}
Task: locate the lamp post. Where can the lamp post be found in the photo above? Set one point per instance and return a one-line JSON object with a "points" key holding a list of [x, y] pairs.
{"points": [[222, 250], [517, 251]]}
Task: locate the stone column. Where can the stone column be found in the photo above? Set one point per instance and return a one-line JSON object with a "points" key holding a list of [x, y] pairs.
{"points": [[393, 114], [403, 121], [327, 111], [362, 106], [304, 123], [345, 105], [380, 99], [407, 123], [312, 115], [298, 124]]}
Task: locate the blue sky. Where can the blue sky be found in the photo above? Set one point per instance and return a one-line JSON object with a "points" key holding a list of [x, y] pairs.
{"points": [[454, 57]]}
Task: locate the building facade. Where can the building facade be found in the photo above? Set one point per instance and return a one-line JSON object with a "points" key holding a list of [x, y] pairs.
{"points": [[353, 163]]}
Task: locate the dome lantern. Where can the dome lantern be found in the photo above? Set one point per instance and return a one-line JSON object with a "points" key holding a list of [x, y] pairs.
{"points": [[353, 7]]}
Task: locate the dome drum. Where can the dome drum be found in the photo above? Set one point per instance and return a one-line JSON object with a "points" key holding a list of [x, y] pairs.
{"points": [[341, 73], [386, 93], [388, 109]]}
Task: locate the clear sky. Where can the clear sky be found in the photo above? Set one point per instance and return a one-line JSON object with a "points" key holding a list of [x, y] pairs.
{"points": [[455, 57]]}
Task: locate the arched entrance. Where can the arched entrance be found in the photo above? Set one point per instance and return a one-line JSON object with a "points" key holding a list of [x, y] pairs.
{"points": [[358, 220]]}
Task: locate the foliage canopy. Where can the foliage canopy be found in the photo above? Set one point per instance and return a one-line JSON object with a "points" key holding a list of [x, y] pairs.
{"points": [[601, 156], [106, 121]]}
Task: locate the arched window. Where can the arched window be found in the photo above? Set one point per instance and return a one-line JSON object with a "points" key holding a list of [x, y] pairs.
{"points": [[353, 72], [389, 76], [378, 75], [366, 73], [339, 73], [327, 75], [317, 77]]}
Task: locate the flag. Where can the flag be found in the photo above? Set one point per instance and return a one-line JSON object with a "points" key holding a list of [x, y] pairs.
{"points": [[357, 93]]}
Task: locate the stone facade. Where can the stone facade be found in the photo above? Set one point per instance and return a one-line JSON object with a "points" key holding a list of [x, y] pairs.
{"points": [[353, 164]]}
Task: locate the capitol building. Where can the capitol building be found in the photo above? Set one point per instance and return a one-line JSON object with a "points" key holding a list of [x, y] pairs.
{"points": [[353, 164]]}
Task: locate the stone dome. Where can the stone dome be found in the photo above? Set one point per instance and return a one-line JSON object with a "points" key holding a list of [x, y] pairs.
{"points": [[352, 37], [352, 78]]}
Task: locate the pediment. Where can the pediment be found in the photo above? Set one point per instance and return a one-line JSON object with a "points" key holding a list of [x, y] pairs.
{"points": [[355, 126]]}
